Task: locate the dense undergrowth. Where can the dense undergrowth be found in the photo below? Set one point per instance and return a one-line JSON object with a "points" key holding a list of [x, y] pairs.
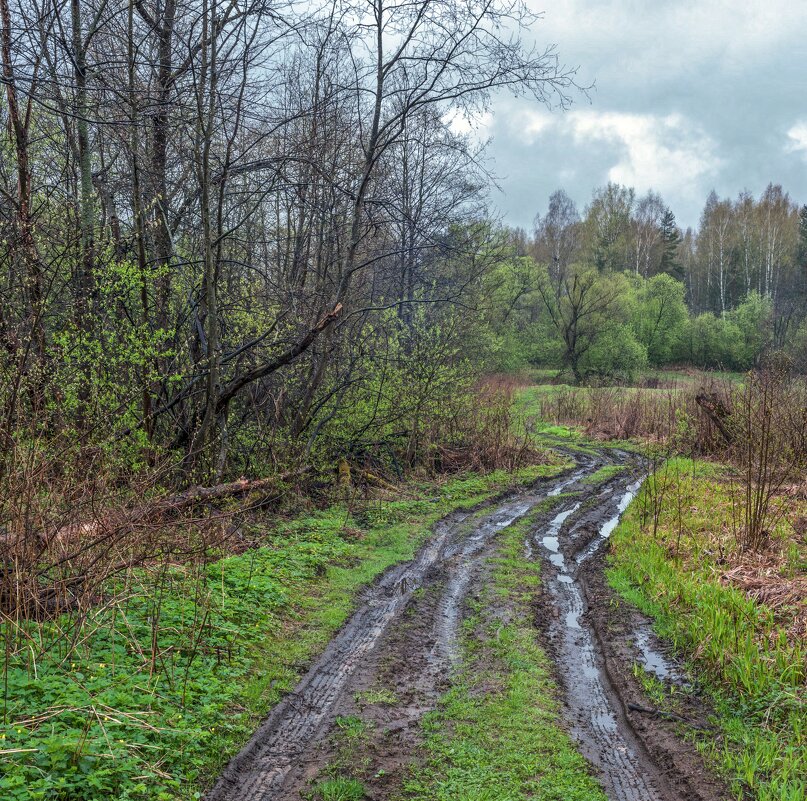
{"points": [[161, 689], [496, 735], [739, 616]]}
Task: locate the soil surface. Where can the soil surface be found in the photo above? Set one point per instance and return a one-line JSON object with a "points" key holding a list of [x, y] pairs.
{"points": [[362, 701]]}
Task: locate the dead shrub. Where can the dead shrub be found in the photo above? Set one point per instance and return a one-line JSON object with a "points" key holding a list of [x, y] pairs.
{"points": [[767, 448], [483, 435], [76, 545]]}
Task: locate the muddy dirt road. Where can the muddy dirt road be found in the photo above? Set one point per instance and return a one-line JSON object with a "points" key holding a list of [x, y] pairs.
{"points": [[405, 635]]}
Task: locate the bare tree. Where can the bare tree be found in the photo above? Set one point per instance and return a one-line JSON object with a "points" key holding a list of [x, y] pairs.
{"points": [[558, 234]]}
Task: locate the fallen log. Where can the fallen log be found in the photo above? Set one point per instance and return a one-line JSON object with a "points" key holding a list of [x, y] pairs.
{"points": [[372, 478], [243, 486], [44, 573], [151, 512]]}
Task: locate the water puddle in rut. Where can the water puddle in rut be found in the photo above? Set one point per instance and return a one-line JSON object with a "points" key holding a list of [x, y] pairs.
{"points": [[593, 713], [653, 661]]}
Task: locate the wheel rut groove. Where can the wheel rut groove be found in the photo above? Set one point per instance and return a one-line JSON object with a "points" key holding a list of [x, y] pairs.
{"points": [[595, 713], [411, 640]]}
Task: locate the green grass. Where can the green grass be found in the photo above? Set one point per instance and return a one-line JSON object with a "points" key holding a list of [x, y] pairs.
{"points": [[496, 734], [659, 693], [351, 727], [754, 674], [338, 789], [379, 696], [100, 721], [605, 473], [541, 374], [693, 377]]}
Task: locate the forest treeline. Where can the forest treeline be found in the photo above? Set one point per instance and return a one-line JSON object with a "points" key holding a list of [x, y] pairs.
{"points": [[620, 287]]}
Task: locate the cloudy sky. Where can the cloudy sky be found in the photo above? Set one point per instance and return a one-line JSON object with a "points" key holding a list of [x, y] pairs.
{"points": [[689, 95]]}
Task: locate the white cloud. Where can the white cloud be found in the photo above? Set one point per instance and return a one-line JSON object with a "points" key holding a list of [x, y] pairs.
{"points": [[463, 124], [668, 153], [690, 95], [644, 40], [529, 123], [797, 135]]}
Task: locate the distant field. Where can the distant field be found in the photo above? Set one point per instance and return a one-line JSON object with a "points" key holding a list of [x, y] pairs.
{"points": [[649, 408], [685, 376]]}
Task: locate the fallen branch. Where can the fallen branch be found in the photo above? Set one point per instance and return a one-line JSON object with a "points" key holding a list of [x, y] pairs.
{"points": [[243, 486], [372, 478], [37, 585], [660, 713], [114, 522]]}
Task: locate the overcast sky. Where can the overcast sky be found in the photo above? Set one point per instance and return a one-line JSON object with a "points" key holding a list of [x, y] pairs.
{"points": [[690, 95]]}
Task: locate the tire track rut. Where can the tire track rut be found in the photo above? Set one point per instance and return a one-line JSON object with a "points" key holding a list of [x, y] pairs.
{"points": [[263, 769], [595, 714], [292, 745]]}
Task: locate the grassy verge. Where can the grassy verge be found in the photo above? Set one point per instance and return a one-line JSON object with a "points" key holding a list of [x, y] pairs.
{"points": [[750, 659], [496, 735], [166, 686], [605, 473]]}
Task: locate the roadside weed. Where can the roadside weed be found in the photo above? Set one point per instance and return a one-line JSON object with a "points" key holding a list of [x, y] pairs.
{"points": [[351, 727], [339, 789]]}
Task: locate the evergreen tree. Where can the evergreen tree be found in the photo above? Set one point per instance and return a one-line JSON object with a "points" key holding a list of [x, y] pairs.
{"points": [[670, 240], [802, 257]]}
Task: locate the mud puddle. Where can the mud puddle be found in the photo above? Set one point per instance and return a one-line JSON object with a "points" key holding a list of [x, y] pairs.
{"points": [[594, 714], [653, 661], [632, 758], [626, 641]]}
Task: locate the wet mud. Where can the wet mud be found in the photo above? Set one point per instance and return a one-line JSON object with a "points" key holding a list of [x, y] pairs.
{"points": [[624, 639], [360, 705], [635, 759]]}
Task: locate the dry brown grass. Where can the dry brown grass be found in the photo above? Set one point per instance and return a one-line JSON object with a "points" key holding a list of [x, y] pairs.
{"points": [[765, 578], [67, 531], [701, 520], [650, 415], [484, 436]]}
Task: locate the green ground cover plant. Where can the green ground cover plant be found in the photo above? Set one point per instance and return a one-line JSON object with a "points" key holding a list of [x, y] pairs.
{"points": [[164, 687], [604, 474]]}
